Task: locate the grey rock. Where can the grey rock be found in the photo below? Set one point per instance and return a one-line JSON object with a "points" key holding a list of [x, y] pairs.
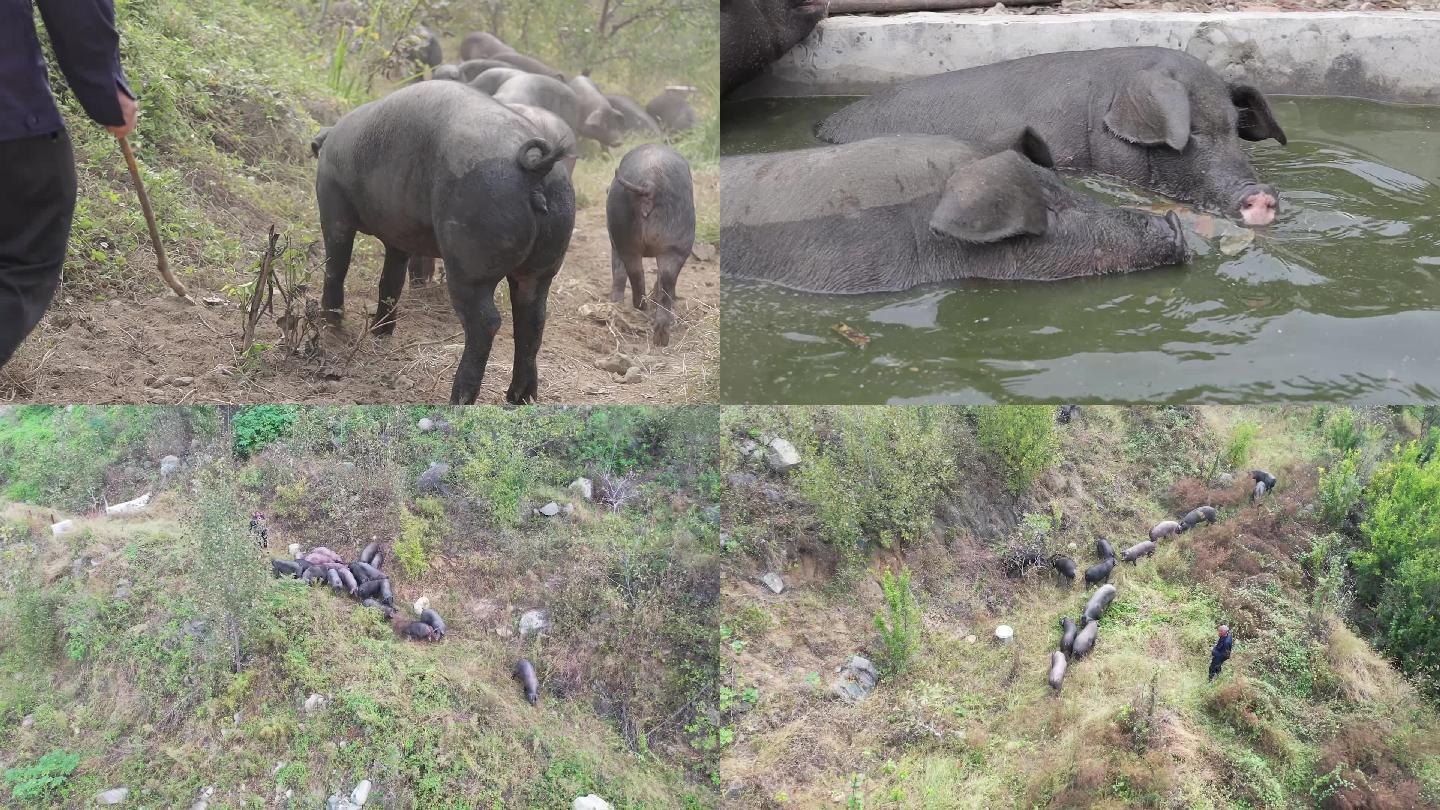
{"points": [[590, 802], [773, 581], [1225, 479], [857, 679], [782, 456], [550, 509], [426, 424], [583, 487], [431, 478], [169, 465], [338, 802], [534, 622], [313, 703], [28, 721], [361, 793], [113, 796]]}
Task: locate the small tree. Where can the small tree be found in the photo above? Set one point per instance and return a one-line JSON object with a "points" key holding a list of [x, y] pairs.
{"points": [[898, 623]]}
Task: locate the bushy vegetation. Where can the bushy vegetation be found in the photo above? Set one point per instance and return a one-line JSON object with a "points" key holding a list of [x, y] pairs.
{"points": [[1398, 566], [1340, 488], [1023, 438]]}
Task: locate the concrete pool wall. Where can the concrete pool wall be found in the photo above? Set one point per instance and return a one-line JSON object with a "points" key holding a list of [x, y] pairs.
{"points": [[1384, 56]]}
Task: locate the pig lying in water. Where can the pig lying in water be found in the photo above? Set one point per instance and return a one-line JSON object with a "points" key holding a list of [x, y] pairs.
{"points": [[1157, 117], [888, 214]]}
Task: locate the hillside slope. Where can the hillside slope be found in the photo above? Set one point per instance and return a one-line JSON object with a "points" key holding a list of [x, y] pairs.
{"points": [[159, 654], [1305, 714], [231, 93]]}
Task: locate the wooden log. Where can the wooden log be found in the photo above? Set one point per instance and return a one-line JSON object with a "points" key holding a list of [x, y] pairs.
{"points": [[901, 6]]}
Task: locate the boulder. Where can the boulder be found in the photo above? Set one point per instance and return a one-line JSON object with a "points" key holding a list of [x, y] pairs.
{"points": [[62, 528], [361, 793], [426, 424], [129, 507], [169, 465], [590, 802], [1004, 634], [314, 703], [857, 679], [534, 622], [773, 581], [550, 509], [583, 487], [782, 456], [430, 479], [113, 796]]}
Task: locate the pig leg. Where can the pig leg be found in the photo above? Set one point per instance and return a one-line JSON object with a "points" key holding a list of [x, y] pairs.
{"points": [[623, 266], [339, 242], [663, 296], [528, 296], [392, 282], [422, 270], [475, 304]]}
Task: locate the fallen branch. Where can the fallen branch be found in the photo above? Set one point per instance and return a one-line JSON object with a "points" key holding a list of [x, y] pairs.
{"points": [[900, 6]]}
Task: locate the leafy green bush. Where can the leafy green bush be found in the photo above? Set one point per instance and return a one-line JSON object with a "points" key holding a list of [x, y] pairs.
{"points": [[1398, 569], [1342, 431], [1339, 489], [1240, 445], [58, 457], [37, 626], [257, 426], [38, 782], [898, 624], [1022, 437]]}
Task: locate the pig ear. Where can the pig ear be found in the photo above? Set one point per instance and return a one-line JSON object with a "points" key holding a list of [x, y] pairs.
{"points": [[1029, 144], [1256, 121], [1151, 108], [991, 200]]}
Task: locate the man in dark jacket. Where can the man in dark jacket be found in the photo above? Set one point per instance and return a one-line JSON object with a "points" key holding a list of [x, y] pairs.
{"points": [[37, 167], [1221, 653]]}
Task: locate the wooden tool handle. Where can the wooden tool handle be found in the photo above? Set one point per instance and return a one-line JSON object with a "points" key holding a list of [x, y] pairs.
{"points": [[161, 264]]}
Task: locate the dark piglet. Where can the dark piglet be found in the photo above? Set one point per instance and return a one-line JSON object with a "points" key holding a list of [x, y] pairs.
{"points": [[755, 33], [1085, 639], [348, 580], [598, 120], [1104, 549], [364, 572], [1261, 475], [1165, 528], [385, 610], [369, 551], [1058, 664], [525, 674], [1157, 117], [1142, 549], [420, 631], [889, 214], [1095, 608], [1067, 634], [471, 69], [634, 118], [650, 211], [286, 568], [433, 619], [1194, 516], [671, 109], [1099, 572], [543, 92], [437, 169], [1064, 566], [489, 82]]}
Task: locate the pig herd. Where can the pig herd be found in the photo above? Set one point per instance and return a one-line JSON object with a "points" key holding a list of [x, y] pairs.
{"points": [[1077, 640], [363, 579], [954, 175], [473, 166]]}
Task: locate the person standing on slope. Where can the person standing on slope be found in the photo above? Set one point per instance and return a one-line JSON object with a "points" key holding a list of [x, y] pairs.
{"points": [[37, 167], [1221, 653]]}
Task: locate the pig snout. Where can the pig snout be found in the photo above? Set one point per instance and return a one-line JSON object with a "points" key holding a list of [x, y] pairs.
{"points": [[1258, 205]]}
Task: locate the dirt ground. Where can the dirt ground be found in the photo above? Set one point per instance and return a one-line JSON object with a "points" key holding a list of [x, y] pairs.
{"points": [[159, 349]]}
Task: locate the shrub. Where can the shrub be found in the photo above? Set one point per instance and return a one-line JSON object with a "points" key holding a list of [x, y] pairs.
{"points": [[258, 426], [419, 529], [36, 783], [37, 626], [1339, 489], [1398, 567], [1240, 445], [1342, 431], [1022, 437], [898, 623]]}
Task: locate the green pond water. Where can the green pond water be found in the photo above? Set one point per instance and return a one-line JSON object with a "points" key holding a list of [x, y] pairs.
{"points": [[1338, 300]]}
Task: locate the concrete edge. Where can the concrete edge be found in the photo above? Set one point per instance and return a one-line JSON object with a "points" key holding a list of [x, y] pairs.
{"points": [[1384, 56]]}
